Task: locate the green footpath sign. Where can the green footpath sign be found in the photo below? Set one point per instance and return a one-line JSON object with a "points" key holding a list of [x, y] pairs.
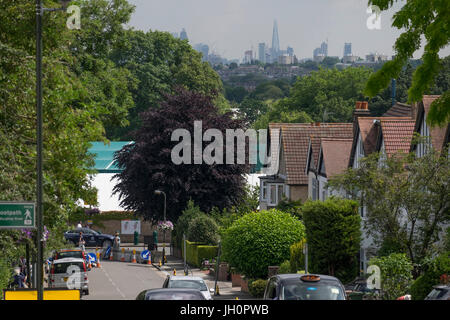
{"points": [[17, 215]]}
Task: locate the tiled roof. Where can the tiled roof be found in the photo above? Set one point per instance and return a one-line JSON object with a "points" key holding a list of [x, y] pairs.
{"points": [[397, 135], [295, 141], [335, 155], [399, 110]]}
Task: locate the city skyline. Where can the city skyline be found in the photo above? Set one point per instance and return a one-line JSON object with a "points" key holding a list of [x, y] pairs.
{"points": [[231, 27]]}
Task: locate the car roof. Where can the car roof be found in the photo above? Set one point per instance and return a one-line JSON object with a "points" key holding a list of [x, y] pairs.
{"points": [[297, 276], [66, 260], [185, 278], [173, 290], [68, 250], [441, 286]]}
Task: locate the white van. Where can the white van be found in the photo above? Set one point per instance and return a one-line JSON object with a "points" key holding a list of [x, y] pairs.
{"points": [[69, 273]]}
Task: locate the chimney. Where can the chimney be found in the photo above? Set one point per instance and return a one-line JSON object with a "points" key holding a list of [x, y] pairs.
{"points": [[361, 110]]}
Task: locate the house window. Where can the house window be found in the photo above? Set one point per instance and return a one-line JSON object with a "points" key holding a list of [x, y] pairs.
{"points": [[324, 194], [276, 193], [263, 190]]}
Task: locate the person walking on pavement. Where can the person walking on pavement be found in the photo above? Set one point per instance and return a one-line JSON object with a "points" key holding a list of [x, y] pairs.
{"points": [[116, 244], [81, 241]]}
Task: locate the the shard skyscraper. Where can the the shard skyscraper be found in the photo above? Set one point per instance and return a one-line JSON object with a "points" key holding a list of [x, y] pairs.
{"points": [[275, 52]]}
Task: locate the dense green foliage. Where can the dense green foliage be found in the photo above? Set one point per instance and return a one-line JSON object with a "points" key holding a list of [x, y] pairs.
{"points": [[333, 235], [418, 19], [297, 259], [203, 229], [258, 240], [285, 267], [257, 287], [432, 270], [396, 275], [196, 253]]}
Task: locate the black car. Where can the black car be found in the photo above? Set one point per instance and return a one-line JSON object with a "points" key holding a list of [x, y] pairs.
{"points": [[92, 238], [170, 294], [304, 287]]}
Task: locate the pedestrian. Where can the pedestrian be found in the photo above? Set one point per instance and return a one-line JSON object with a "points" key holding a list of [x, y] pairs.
{"points": [[116, 244], [79, 225], [19, 279], [81, 241], [155, 240]]}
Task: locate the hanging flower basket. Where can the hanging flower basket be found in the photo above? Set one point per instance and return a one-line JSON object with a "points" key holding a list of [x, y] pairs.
{"points": [[168, 225]]}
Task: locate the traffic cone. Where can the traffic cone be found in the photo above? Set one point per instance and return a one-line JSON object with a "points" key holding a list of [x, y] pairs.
{"points": [[174, 272], [149, 261], [111, 258], [122, 257], [237, 298], [134, 257], [160, 262], [98, 260]]}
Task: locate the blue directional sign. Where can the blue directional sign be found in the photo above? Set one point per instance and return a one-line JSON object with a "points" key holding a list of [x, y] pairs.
{"points": [[145, 254], [92, 257]]}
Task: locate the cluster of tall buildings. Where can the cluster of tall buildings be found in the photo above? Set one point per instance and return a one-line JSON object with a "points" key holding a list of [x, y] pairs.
{"points": [[271, 54]]}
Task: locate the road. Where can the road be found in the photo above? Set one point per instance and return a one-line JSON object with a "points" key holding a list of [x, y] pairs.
{"points": [[122, 280]]}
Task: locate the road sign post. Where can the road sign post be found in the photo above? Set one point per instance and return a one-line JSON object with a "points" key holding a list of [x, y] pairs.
{"points": [[17, 215]]}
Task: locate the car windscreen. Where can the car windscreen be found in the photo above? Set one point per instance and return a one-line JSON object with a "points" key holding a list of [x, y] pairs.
{"points": [[188, 284], [70, 254], [436, 294], [312, 291], [63, 267], [170, 295]]}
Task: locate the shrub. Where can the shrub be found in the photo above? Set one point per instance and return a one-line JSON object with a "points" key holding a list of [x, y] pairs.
{"points": [[181, 227], [256, 288], [297, 260], [285, 267], [260, 239], [396, 275], [203, 229], [333, 229], [432, 272]]}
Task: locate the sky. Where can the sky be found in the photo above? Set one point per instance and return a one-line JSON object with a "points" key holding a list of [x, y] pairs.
{"points": [[231, 27]]}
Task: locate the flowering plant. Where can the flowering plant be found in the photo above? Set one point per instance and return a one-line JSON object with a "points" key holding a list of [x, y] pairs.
{"points": [[168, 225]]}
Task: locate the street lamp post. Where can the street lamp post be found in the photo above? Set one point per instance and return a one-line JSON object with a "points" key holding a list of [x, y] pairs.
{"points": [[164, 230], [39, 115]]}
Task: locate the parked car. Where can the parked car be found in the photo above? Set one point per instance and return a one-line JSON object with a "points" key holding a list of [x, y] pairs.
{"points": [[91, 237], [69, 273], [188, 282], [439, 292], [358, 290], [171, 294], [71, 253], [304, 287]]}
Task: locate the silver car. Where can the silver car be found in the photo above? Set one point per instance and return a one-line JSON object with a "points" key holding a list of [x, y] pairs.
{"points": [[188, 282], [69, 273]]}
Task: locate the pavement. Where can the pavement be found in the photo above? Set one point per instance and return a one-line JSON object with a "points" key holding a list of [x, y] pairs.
{"points": [[226, 291]]}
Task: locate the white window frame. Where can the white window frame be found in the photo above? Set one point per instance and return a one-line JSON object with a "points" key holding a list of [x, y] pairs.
{"points": [[274, 202], [264, 187]]}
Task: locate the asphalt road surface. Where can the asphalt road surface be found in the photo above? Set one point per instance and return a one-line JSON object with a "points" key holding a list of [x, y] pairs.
{"points": [[122, 280]]}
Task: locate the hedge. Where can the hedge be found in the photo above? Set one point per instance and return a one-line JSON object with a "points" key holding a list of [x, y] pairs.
{"points": [[197, 252]]}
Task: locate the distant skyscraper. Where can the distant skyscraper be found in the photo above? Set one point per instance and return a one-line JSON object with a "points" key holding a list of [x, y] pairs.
{"points": [[203, 49], [347, 49], [183, 35], [275, 42], [290, 51], [324, 48], [262, 52]]}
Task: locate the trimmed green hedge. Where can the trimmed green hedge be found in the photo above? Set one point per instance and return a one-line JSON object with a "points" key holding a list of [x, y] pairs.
{"points": [[197, 252]]}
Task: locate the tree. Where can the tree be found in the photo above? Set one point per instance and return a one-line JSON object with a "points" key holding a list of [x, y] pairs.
{"points": [[147, 164], [328, 94], [161, 63], [252, 109], [396, 275], [429, 19], [203, 229], [258, 240], [399, 212], [333, 236]]}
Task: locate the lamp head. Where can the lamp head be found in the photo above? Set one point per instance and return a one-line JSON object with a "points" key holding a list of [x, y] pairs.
{"points": [[65, 3], [157, 191]]}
